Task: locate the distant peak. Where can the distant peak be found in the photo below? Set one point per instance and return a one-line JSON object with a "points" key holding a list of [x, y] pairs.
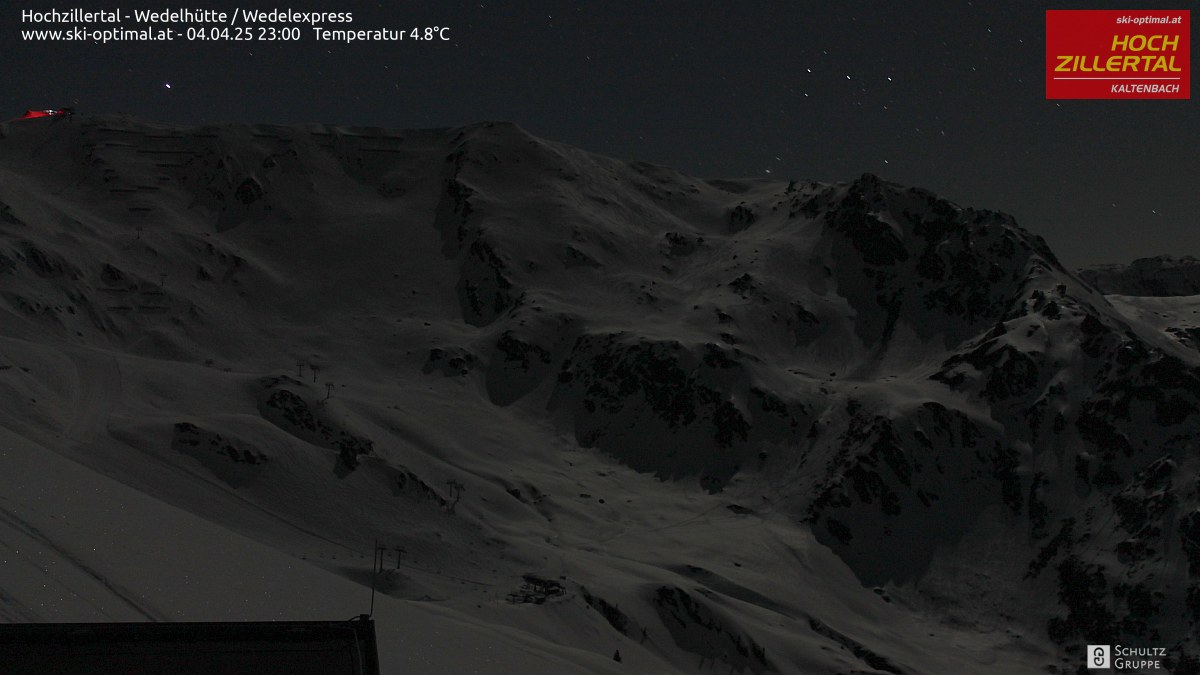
{"points": [[1162, 275]]}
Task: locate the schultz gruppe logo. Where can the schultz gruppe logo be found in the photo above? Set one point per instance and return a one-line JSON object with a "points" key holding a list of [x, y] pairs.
{"points": [[1123, 657], [1099, 656]]}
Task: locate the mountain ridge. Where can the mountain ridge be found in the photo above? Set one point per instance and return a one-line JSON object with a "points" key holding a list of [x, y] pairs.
{"points": [[1160, 276]]}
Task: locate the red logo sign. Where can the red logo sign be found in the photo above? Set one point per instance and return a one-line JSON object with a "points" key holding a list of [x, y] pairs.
{"points": [[1118, 53]]}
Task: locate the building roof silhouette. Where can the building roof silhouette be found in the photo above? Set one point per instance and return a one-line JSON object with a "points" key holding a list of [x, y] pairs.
{"points": [[191, 648]]}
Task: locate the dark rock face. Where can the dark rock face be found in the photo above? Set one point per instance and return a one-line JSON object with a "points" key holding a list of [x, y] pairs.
{"points": [[484, 290], [294, 413], [453, 214], [450, 361], [887, 479], [249, 191], [43, 263], [741, 217], [190, 438], [236, 461], [870, 658], [923, 257], [704, 630], [677, 244], [1010, 372], [619, 620], [856, 217], [517, 366], [657, 405]]}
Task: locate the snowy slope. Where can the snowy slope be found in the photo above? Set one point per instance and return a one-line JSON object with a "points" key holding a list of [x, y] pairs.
{"points": [[789, 427]]}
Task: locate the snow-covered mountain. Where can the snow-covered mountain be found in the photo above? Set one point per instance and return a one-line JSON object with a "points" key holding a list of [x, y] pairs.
{"points": [[1162, 275], [599, 405]]}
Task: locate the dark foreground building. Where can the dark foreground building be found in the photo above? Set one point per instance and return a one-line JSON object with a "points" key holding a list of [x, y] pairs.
{"points": [[294, 647]]}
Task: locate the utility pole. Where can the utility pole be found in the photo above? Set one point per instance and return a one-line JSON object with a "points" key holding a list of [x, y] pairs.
{"points": [[376, 568]]}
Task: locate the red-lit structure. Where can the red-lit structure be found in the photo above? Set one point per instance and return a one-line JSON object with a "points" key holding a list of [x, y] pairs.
{"points": [[48, 112]]}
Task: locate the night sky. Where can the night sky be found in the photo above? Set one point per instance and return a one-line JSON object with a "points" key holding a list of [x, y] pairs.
{"points": [[949, 96]]}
